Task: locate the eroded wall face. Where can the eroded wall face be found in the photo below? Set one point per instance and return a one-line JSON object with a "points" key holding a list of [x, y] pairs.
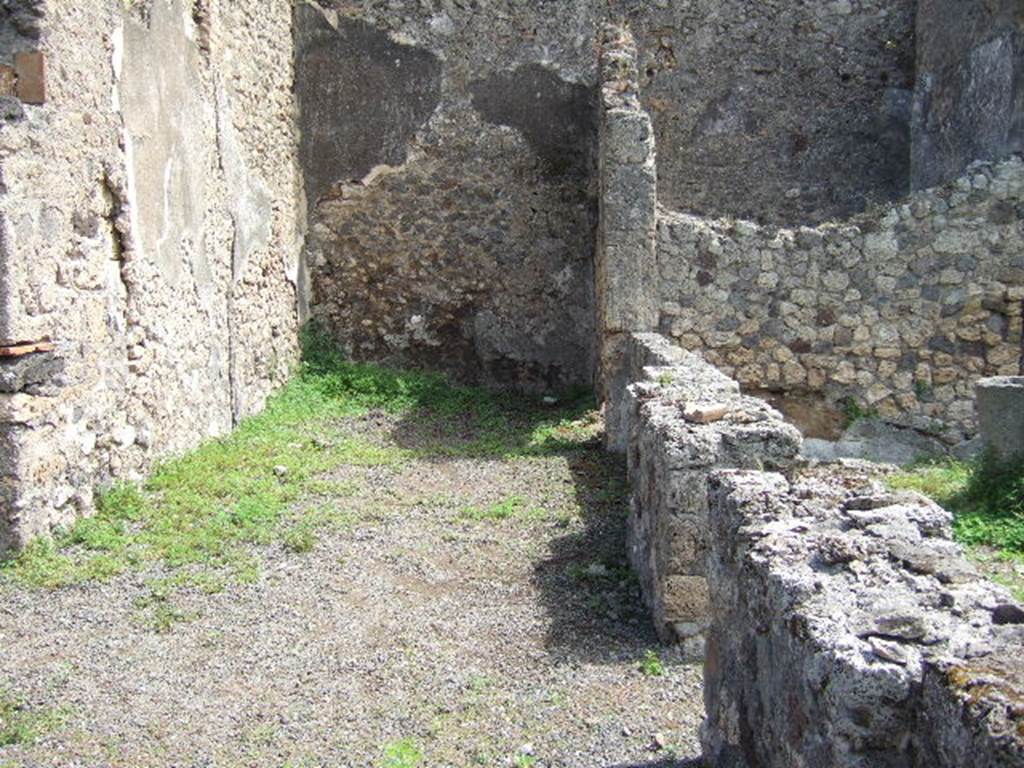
{"points": [[149, 230], [969, 103], [449, 174], [449, 156]]}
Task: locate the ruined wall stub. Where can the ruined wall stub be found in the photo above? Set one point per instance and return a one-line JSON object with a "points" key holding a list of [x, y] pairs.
{"points": [[626, 263], [969, 103]]}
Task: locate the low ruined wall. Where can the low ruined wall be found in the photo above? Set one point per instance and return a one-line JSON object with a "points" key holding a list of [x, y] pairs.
{"points": [[899, 311], [148, 230], [685, 421], [848, 630]]}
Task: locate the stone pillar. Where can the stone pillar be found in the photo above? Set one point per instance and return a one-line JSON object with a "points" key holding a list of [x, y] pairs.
{"points": [[626, 254], [1000, 402]]}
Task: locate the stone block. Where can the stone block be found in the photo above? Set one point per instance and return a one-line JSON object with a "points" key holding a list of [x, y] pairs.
{"points": [[847, 630], [30, 67], [1000, 405], [8, 81]]}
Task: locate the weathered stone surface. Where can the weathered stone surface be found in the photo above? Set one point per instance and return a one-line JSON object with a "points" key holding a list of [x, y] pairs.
{"points": [[670, 459], [880, 441], [626, 245], [151, 232], [625, 264], [827, 647], [899, 312], [20, 27], [1001, 415], [466, 242], [970, 86], [35, 373]]}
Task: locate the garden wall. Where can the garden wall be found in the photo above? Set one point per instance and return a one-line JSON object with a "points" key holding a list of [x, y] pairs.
{"points": [[148, 239]]}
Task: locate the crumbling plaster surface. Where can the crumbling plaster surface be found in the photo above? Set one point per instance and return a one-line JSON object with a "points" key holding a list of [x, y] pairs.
{"points": [[149, 222]]}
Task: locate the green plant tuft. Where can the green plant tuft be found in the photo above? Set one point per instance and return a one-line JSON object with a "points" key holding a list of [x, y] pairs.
{"points": [[651, 665], [402, 754]]}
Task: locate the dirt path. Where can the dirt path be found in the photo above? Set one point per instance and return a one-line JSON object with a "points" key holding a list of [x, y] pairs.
{"points": [[463, 612]]}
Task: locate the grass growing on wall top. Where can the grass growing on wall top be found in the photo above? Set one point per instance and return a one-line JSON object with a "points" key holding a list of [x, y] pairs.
{"points": [[986, 499], [209, 507]]}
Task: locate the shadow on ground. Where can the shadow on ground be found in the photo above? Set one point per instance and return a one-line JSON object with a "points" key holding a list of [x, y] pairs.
{"points": [[583, 579]]}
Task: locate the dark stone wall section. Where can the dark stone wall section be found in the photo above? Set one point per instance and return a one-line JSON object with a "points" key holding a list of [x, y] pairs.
{"points": [[970, 97], [557, 118], [361, 98], [778, 111], [450, 184]]}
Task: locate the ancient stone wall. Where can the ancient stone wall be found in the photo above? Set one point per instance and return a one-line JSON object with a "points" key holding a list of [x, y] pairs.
{"points": [[777, 111], [449, 163], [148, 230], [685, 421], [847, 629], [449, 155], [969, 99], [898, 311]]}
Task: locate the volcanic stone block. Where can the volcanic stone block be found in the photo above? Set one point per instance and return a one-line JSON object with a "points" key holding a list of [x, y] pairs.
{"points": [[1000, 402]]}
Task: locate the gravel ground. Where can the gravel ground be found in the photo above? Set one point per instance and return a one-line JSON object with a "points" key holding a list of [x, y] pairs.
{"points": [[474, 612]]}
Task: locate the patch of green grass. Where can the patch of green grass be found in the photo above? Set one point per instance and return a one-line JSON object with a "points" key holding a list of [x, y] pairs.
{"points": [[651, 665], [20, 724], [944, 482], [522, 760], [206, 511], [157, 611], [512, 507], [404, 753], [986, 499], [300, 539]]}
